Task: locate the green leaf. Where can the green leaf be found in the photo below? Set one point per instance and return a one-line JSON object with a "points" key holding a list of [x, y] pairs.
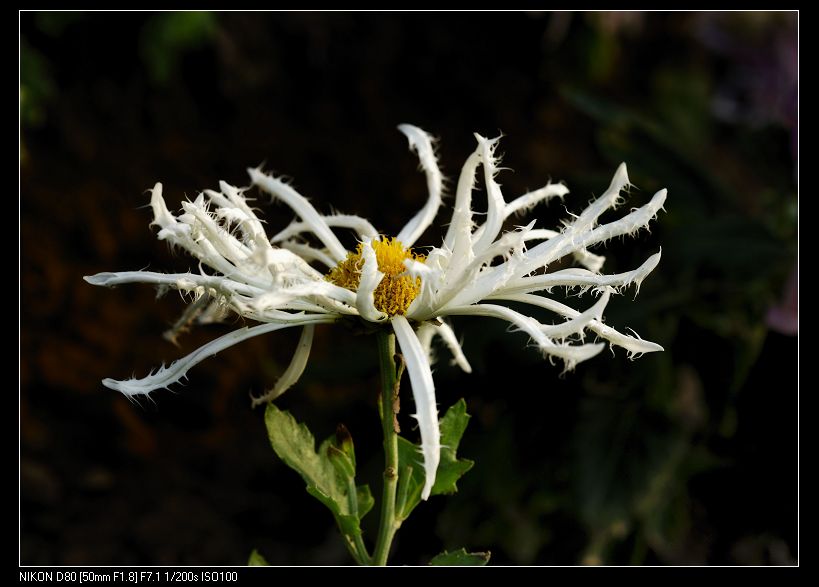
{"points": [[341, 461], [257, 560], [344, 442], [450, 469], [366, 501], [410, 478], [329, 473], [461, 558], [295, 445]]}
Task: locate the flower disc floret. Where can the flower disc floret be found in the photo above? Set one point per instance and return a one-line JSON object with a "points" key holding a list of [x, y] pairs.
{"points": [[397, 289]]}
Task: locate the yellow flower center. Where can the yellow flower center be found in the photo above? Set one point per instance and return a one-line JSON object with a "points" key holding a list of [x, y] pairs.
{"points": [[397, 289]]}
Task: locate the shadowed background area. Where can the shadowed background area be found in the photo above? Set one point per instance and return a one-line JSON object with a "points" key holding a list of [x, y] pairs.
{"points": [[687, 456]]}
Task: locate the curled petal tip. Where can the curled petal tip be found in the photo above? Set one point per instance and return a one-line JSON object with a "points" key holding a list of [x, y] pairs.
{"points": [[620, 178], [407, 128], [255, 173], [99, 278], [416, 135], [112, 384]]}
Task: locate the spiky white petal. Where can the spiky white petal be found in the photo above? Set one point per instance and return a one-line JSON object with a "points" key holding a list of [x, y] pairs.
{"points": [[423, 392], [361, 226], [166, 376], [569, 353], [446, 333], [634, 345], [299, 204], [421, 143], [488, 232], [529, 200], [583, 278], [294, 370]]}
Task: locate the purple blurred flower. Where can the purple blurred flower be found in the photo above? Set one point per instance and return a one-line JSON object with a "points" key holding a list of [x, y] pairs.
{"points": [[762, 85], [784, 317]]}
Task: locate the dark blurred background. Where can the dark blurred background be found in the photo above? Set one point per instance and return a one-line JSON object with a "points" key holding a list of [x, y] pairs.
{"points": [[682, 457]]}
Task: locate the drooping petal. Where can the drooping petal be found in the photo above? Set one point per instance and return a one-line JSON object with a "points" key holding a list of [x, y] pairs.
{"points": [[634, 345], [166, 376], [425, 334], [448, 336], [421, 143], [579, 322], [427, 331], [423, 391], [571, 354], [303, 208], [294, 369]]}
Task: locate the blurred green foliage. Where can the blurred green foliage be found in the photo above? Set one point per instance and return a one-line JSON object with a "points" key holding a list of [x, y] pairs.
{"points": [[36, 86], [729, 242], [167, 36]]}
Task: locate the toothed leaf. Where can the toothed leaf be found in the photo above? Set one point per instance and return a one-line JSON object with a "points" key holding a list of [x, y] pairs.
{"points": [[450, 469], [461, 558], [257, 560], [328, 472]]}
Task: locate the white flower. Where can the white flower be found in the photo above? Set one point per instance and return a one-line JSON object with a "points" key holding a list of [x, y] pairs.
{"points": [[476, 271]]}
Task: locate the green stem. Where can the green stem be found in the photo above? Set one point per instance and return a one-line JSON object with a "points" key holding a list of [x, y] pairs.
{"points": [[358, 549], [390, 380], [355, 544]]}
